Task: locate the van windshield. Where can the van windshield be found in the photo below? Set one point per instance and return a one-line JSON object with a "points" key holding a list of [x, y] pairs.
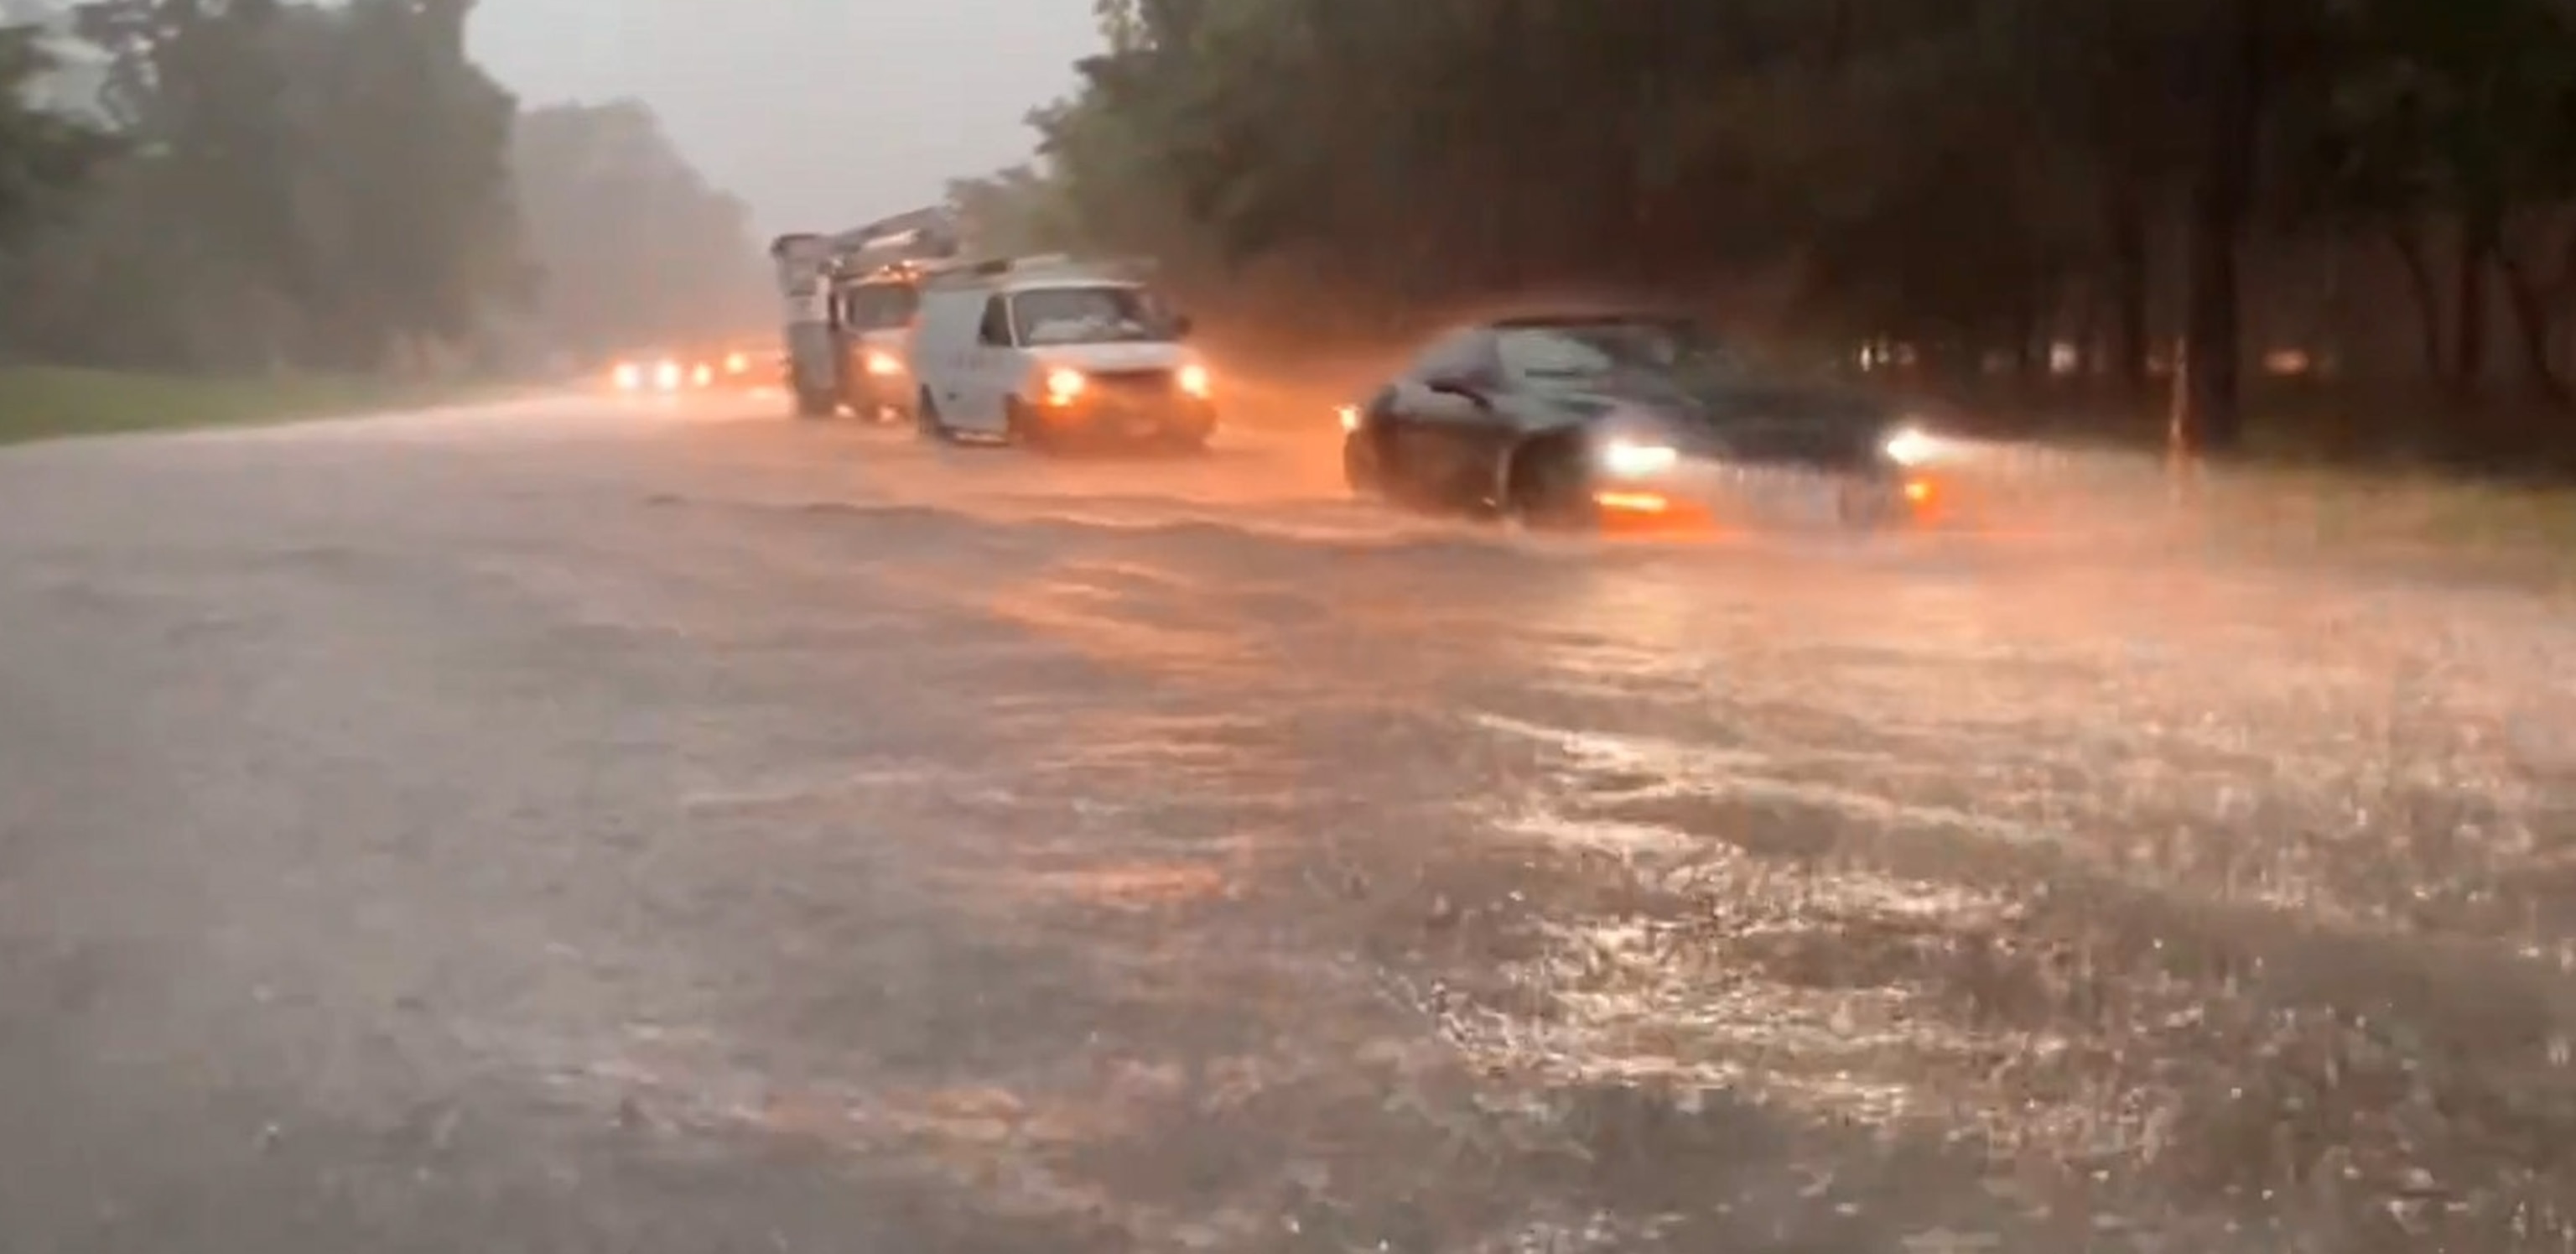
{"points": [[1087, 315]]}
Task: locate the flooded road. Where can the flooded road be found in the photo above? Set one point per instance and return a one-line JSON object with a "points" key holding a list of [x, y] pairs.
{"points": [[569, 827]]}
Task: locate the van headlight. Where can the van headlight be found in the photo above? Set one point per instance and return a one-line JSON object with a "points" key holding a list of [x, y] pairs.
{"points": [[1194, 381], [1636, 459], [1910, 446], [1063, 385]]}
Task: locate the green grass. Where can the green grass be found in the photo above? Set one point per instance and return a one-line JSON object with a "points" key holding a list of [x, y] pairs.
{"points": [[47, 402]]}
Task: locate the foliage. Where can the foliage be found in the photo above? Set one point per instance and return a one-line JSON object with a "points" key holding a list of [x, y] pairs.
{"points": [[1977, 179], [43, 153], [636, 246], [334, 187]]}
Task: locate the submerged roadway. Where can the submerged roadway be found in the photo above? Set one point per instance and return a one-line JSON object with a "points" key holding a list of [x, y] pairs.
{"points": [[571, 826]]}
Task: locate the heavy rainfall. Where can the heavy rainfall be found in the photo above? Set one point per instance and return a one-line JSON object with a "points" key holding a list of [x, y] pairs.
{"points": [[1288, 625]]}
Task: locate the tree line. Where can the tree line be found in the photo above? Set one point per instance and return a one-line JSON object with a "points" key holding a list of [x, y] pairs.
{"points": [[235, 185], [2099, 190]]}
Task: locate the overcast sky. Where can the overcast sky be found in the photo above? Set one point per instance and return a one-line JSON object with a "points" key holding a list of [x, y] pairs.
{"points": [[821, 113]]}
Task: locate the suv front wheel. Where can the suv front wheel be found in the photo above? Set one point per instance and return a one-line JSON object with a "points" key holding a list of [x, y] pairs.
{"points": [[1547, 486]]}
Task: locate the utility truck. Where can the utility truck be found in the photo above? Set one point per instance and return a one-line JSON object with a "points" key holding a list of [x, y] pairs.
{"points": [[848, 301]]}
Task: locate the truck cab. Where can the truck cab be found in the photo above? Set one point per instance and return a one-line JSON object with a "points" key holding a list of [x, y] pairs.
{"points": [[847, 305], [872, 318]]}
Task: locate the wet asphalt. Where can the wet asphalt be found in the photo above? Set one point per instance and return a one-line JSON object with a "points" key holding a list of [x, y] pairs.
{"points": [[570, 825]]}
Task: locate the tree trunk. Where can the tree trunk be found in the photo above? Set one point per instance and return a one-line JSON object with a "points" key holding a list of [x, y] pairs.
{"points": [[2478, 237], [2126, 212], [2212, 412], [2212, 415], [2533, 322], [2407, 241]]}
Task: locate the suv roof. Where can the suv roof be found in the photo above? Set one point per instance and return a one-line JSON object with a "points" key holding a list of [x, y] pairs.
{"points": [[1588, 318]]}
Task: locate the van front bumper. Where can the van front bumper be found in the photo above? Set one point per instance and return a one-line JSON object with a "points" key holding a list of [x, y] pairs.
{"points": [[1114, 418]]}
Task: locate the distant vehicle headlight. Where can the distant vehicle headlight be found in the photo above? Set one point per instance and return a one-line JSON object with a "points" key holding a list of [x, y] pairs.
{"points": [[1194, 380], [1634, 459], [628, 376], [666, 376], [736, 363], [702, 375], [1064, 385], [1350, 416], [1911, 446]]}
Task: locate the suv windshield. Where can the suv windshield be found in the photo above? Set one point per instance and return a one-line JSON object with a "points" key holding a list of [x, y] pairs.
{"points": [[1675, 363], [1087, 315]]}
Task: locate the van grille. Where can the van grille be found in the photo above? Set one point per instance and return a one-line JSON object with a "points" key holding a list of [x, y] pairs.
{"points": [[1136, 383]]}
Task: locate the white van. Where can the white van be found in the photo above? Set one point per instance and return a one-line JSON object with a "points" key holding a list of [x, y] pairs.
{"points": [[1049, 353]]}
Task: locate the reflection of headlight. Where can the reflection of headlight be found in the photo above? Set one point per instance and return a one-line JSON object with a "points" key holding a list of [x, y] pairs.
{"points": [[1194, 380], [1631, 459], [1064, 385], [667, 375], [883, 365], [1910, 446], [629, 376]]}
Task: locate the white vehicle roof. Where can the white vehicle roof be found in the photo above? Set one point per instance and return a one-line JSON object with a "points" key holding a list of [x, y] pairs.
{"points": [[1034, 273]]}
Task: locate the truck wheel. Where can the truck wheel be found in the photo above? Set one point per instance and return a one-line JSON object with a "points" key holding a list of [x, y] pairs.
{"points": [[925, 419]]}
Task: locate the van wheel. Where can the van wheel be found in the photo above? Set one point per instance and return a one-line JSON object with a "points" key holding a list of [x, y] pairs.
{"points": [[1019, 427]]}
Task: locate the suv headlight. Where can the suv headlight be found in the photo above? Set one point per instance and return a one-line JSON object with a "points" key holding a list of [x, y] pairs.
{"points": [[1062, 385], [1636, 459], [1910, 446]]}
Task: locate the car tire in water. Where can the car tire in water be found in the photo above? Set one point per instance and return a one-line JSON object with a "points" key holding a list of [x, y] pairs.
{"points": [[1548, 487], [1860, 505], [1362, 472]]}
